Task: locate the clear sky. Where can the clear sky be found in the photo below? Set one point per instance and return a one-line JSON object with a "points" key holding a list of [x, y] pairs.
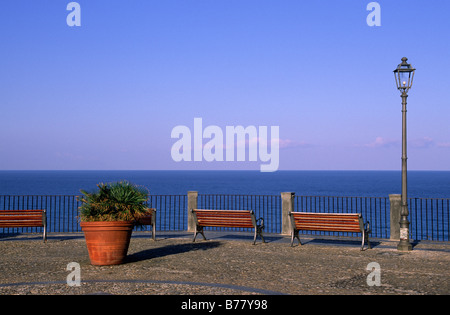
{"points": [[107, 94]]}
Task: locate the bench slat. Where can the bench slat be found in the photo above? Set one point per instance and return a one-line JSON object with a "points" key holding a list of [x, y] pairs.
{"points": [[335, 228], [149, 218], [324, 222], [226, 218], [21, 224], [24, 218], [344, 216], [348, 222], [233, 213], [249, 218], [343, 221], [309, 219], [20, 217], [327, 222], [227, 223], [19, 212], [332, 222]]}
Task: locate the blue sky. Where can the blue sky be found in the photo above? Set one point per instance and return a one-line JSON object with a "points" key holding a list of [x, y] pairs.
{"points": [[107, 94]]}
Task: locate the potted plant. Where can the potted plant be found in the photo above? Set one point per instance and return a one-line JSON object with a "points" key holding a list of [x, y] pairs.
{"points": [[107, 219]]}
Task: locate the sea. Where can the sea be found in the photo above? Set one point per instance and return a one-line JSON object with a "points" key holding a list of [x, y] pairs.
{"points": [[429, 213], [421, 184]]}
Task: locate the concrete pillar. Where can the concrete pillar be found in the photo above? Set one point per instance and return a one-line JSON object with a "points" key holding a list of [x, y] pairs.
{"points": [[287, 205], [396, 207], [192, 204]]}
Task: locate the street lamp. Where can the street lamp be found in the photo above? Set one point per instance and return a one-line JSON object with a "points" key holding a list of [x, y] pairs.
{"points": [[404, 75]]}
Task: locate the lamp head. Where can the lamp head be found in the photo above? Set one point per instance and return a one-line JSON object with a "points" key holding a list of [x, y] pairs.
{"points": [[404, 75]]}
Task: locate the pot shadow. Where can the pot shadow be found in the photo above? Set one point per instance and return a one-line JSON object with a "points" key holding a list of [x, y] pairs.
{"points": [[170, 250]]}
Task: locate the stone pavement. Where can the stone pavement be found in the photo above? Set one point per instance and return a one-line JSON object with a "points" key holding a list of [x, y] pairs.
{"points": [[226, 264]]}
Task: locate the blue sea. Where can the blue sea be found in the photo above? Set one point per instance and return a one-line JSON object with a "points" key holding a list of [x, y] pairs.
{"points": [[430, 218], [421, 184]]}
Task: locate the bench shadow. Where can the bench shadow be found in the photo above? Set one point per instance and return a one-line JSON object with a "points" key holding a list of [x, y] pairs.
{"points": [[170, 250], [268, 239], [340, 242], [160, 236], [19, 237], [9, 235]]}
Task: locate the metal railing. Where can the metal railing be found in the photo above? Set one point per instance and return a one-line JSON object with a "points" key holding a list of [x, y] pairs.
{"points": [[430, 218], [62, 211], [171, 213], [266, 206]]}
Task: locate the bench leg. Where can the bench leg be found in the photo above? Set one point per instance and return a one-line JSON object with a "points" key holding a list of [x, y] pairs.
{"points": [[365, 237], [258, 231], [261, 233], [44, 225], [368, 242], [153, 232], [198, 230], [295, 235]]}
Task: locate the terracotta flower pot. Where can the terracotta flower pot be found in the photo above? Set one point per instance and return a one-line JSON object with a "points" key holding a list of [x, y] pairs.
{"points": [[107, 242]]}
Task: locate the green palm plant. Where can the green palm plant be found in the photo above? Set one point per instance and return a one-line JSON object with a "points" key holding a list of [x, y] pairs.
{"points": [[120, 201]]}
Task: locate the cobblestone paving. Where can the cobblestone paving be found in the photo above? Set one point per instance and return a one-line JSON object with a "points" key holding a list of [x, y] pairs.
{"points": [[176, 266]]}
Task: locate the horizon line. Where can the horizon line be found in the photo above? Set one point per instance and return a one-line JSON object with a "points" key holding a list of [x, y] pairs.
{"points": [[215, 170]]}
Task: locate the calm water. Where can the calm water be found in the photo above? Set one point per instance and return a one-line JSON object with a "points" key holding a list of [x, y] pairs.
{"points": [[425, 184], [429, 220]]}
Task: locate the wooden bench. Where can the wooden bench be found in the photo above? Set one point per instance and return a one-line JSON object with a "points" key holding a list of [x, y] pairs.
{"points": [[227, 218], [24, 218], [330, 222], [149, 219]]}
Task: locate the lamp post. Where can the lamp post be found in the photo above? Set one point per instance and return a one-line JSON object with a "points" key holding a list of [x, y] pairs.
{"points": [[404, 75]]}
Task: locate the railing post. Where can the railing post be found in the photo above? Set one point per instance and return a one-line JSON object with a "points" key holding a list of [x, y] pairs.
{"points": [[395, 210], [192, 204], [287, 205]]}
